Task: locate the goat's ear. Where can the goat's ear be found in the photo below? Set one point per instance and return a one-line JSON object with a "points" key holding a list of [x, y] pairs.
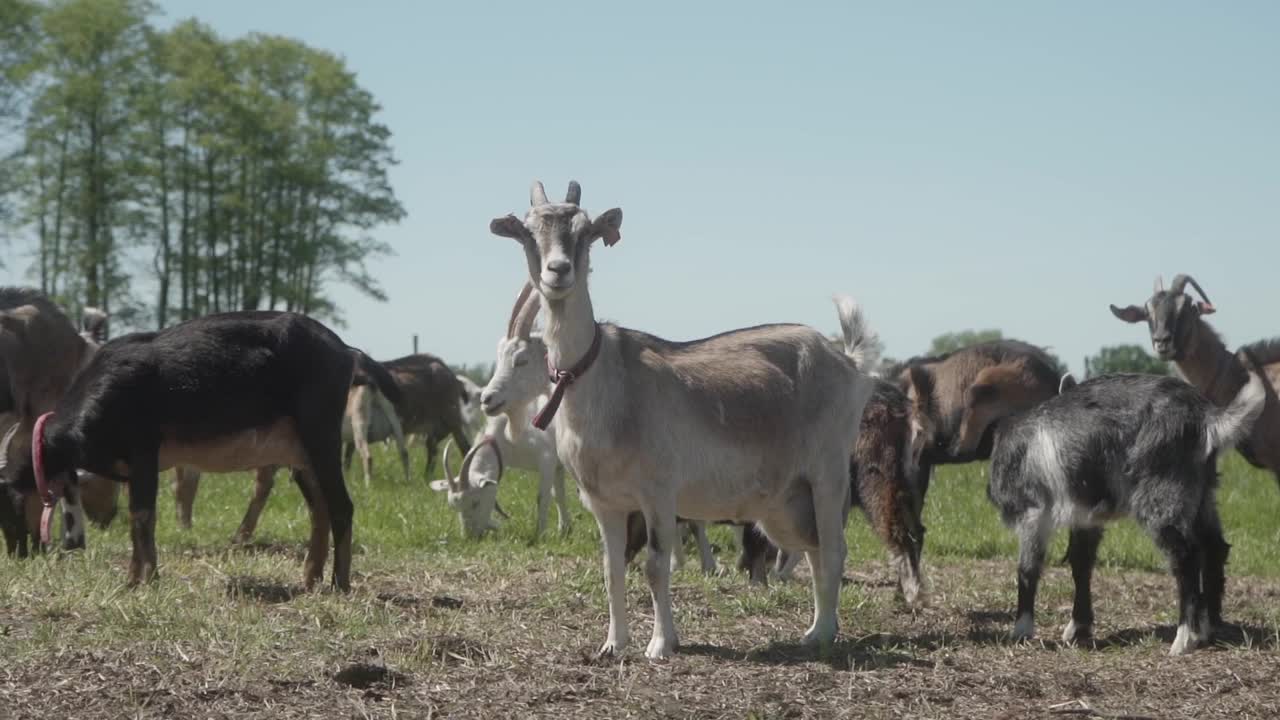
{"points": [[509, 226], [440, 485], [1131, 314], [1205, 308], [608, 227], [919, 386]]}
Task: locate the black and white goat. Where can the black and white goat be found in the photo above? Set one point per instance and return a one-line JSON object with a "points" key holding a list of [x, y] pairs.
{"points": [[222, 393], [1136, 445]]}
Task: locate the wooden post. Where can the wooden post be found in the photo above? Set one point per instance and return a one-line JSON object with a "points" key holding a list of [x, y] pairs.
{"points": [[415, 343]]}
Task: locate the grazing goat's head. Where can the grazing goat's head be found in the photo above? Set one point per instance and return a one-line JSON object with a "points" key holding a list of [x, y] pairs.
{"points": [[473, 492], [520, 372], [557, 239], [1172, 317]]}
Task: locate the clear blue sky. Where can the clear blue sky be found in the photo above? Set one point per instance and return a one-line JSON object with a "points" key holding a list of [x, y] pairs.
{"points": [[951, 165]]}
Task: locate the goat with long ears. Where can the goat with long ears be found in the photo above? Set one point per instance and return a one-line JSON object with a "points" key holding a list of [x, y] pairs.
{"points": [[752, 424], [1179, 333]]}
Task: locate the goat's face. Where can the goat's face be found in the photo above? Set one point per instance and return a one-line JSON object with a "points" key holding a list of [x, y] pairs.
{"points": [[557, 239], [519, 375], [473, 495], [1172, 318]]}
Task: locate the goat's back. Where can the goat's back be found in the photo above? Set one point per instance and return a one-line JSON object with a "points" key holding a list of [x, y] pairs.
{"points": [[432, 393], [211, 375]]}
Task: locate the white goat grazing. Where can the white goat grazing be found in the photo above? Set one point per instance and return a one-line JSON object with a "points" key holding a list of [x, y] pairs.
{"points": [[518, 385], [754, 424]]}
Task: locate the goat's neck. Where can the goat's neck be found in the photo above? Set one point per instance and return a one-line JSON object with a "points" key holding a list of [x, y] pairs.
{"points": [[571, 326], [1211, 368], [517, 420]]}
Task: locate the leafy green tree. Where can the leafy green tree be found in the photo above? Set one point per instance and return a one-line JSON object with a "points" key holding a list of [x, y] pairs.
{"points": [[1124, 359], [950, 342]]}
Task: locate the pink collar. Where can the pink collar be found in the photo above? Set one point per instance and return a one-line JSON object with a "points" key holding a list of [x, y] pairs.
{"points": [[563, 379]]}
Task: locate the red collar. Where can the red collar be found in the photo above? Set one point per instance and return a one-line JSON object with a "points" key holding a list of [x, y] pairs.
{"points": [[563, 379], [48, 491]]}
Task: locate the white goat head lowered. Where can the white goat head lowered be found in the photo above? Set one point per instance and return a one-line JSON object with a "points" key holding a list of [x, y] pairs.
{"points": [[473, 492], [753, 424]]}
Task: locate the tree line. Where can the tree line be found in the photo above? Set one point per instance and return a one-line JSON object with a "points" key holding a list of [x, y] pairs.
{"points": [[165, 174], [1111, 359]]}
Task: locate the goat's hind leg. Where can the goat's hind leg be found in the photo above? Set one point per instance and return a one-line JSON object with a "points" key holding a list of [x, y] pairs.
{"points": [[1082, 552], [1033, 531], [318, 547], [828, 507], [1185, 559], [264, 480], [663, 537], [144, 477], [1214, 572]]}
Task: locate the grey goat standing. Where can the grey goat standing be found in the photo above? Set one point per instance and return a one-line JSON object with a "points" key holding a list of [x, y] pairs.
{"points": [[1136, 445]]}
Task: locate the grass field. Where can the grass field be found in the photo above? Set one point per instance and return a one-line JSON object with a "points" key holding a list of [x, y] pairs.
{"points": [[438, 626]]}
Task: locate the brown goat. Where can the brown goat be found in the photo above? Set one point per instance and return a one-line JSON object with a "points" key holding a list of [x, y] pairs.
{"points": [[1004, 377], [1179, 333], [431, 402]]}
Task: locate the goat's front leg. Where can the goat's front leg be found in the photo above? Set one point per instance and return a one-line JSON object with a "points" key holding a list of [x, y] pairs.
{"points": [[72, 517], [827, 562], [1082, 551], [264, 480], [705, 555], [545, 475], [613, 533], [564, 521], [663, 538], [144, 477], [186, 483]]}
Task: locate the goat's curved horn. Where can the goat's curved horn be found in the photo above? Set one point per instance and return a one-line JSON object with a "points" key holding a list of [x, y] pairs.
{"points": [[5, 443], [464, 475], [448, 474], [574, 196], [537, 194], [521, 299], [1180, 283], [1159, 286], [524, 324]]}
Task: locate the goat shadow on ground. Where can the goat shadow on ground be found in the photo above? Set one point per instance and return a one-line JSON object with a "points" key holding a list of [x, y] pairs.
{"points": [[875, 652], [262, 590], [991, 627]]}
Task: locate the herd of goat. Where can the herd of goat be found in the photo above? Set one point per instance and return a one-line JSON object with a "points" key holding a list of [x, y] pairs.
{"points": [[774, 429]]}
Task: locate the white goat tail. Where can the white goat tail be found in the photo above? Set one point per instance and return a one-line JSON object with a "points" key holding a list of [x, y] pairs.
{"points": [[1228, 426], [861, 343]]}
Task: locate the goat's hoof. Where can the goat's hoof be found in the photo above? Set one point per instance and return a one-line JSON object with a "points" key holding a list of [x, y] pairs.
{"points": [[660, 648], [1075, 633], [818, 636], [1024, 629], [613, 648], [1185, 641], [69, 545]]}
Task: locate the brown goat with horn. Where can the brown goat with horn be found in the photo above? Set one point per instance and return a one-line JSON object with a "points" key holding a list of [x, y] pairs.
{"points": [[1180, 334]]}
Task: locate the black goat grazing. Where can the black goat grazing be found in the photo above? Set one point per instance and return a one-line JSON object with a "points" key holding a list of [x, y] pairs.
{"points": [[1137, 445], [222, 393]]}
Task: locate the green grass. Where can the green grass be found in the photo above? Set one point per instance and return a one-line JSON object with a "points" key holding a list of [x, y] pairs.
{"points": [[204, 624]]}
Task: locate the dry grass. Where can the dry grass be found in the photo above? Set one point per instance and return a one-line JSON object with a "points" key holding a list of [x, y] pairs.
{"points": [[441, 627]]}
